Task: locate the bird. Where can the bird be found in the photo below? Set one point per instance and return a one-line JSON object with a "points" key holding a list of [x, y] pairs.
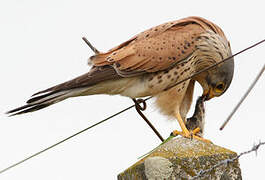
{"points": [[196, 122], [152, 63]]}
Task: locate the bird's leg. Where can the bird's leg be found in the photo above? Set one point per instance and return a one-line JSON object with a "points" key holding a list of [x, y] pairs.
{"points": [[185, 132]]}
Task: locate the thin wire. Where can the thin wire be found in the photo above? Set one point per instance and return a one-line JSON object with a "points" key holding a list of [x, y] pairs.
{"points": [[90, 45], [60, 142], [226, 59], [243, 98], [139, 109], [56, 144]]}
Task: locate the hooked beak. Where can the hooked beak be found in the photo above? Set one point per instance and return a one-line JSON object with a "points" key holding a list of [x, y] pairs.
{"points": [[208, 94]]}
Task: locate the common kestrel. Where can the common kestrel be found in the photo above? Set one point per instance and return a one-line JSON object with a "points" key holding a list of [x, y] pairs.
{"points": [[150, 64]]}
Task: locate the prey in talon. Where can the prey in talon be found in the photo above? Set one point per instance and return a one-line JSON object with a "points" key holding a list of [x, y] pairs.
{"points": [[196, 122]]}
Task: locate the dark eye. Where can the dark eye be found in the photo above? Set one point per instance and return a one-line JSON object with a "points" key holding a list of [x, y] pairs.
{"points": [[219, 88]]}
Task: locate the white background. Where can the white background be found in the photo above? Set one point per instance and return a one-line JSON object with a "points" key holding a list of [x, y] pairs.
{"points": [[40, 46]]}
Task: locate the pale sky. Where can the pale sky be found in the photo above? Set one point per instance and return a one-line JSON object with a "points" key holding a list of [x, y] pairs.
{"points": [[41, 46]]}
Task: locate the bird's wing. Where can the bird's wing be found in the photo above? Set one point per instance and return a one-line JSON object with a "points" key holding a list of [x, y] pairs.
{"points": [[156, 49], [94, 76]]}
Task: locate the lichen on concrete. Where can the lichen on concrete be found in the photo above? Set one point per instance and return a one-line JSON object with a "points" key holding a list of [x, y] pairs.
{"points": [[157, 168], [182, 158]]}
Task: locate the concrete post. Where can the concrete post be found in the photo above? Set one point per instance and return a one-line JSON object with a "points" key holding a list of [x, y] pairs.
{"points": [[182, 158]]}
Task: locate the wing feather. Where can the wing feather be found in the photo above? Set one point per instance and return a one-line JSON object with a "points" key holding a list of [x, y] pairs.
{"points": [[157, 48]]}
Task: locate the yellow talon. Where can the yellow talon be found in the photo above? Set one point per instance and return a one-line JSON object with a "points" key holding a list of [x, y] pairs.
{"points": [[196, 130], [202, 139], [176, 132], [191, 135], [185, 132]]}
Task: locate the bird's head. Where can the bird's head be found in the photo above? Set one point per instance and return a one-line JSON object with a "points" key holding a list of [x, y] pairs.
{"points": [[217, 80]]}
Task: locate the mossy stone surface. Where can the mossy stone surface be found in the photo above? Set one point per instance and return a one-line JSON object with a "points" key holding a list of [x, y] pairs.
{"points": [[182, 158]]}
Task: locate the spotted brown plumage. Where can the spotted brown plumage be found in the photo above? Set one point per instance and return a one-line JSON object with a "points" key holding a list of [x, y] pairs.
{"points": [[159, 47], [150, 64]]}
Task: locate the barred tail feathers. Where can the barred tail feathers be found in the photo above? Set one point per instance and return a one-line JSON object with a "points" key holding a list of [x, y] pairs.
{"points": [[44, 100]]}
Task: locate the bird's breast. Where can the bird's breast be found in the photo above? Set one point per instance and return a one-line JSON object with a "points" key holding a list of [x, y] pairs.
{"points": [[151, 84]]}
